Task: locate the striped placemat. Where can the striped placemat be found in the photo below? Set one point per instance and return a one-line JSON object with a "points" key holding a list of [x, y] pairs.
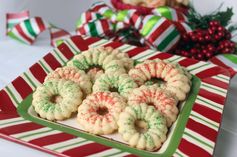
{"points": [[200, 133]]}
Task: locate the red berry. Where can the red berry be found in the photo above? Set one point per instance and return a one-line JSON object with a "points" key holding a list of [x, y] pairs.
{"points": [[228, 35], [217, 37], [232, 44], [214, 23], [220, 28], [226, 50], [210, 31], [200, 39], [204, 51], [211, 47], [193, 51], [209, 55], [200, 56], [207, 38]]}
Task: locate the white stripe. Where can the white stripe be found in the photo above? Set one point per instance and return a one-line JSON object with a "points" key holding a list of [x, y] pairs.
{"points": [[171, 44], [142, 54], [14, 31], [12, 100], [200, 137], [209, 106], [227, 62], [100, 43], [35, 25], [106, 153], [178, 151], [198, 64], [202, 68], [14, 91], [204, 122], [159, 22], [213, 90], [57, 58], [123, 47], [27, 81], [197, 143], [216, 87], [60, 54], [173, 14], [99, 28], [27, 33], [10, 120], [29, 138], [64, 143], [46, 65], [129, 48], [15, 123], [72, 50], [17, 20], [73, 45], [164, 34], [224, 76], [174, 57], [73, 146], [153, 53], [31, 132], [33, 79], [221, 79]]}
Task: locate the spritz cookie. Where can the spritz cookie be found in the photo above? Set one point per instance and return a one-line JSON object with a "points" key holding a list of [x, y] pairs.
{"points": [[57, 99], [143, 127], [99, 112], [73, 74]]}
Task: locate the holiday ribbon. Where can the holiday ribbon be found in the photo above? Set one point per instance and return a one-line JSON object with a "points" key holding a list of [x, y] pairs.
{"points": [[160, 30], [25, 29]]}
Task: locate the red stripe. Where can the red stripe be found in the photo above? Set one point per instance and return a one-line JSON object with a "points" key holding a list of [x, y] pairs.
{"points": [[136, 51], [161, 56], [52, 61], [17, 15], [201, 129], [81, 30], [79, 42], [207, 112], [188, 62], [216, 82], [130, 155], [211, 72], [180, 16], [96, 8], [156, 33], [114, 44], [88, 16], [83, 150], [192, 150], [65, 50], [40, 23], [52, 139], [8, 115], [22, 87], [212, 96], [6, 105], [218, 62], [20, 31], [38, 72], [105, 26], [58, 34], [20, 128], [90, 41]]}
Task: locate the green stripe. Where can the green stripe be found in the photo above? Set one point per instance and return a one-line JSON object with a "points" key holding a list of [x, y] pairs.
{"points": [[214, 88], [29, 28], [11, 25], [178, 57], [93, 30], [12, 122], [28, 78], [164, 11], [74, 50], [177, 153], [198, 67], [208, 145], [121, 15], [12, 35], [145, 55], [70, 145], [222, 77], [209, 103], [44, 67], [113, 154], [149, 25], [166, 42], [11, 95], [35, 133], [55, 52], [231, 58], [203, 120]]}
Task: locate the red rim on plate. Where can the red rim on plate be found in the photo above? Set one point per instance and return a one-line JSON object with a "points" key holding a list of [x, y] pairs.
{"points": [[200, 133]]}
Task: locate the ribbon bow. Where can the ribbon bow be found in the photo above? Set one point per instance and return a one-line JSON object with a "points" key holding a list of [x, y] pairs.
{"points": [[160, 30], [25, 29]]}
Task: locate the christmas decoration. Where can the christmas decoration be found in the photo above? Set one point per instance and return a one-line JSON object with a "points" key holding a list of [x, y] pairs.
{"points": [[160, 30], [25, 29], [209, 38]]}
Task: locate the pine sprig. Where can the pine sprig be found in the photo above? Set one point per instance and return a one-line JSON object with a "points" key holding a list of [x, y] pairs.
{"points": [[201, 21]]}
